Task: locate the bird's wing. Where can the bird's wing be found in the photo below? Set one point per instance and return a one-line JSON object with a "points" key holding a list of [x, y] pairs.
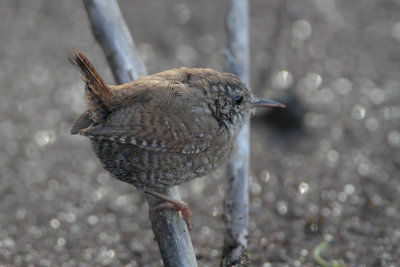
{"points": [[84, 121], [165, 120]]}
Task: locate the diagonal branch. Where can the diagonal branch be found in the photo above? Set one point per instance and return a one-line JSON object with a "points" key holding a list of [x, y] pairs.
{"points": [[113, 35], [236, 204]]}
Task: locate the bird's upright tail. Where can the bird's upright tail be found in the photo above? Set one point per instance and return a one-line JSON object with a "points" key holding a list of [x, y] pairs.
{"points": [[98, 95]]}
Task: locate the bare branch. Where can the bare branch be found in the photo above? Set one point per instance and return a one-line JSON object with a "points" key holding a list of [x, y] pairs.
{"points": [[112, 33], [236, 204]]}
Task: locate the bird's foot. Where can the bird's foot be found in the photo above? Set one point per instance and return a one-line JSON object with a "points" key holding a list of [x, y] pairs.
{"points": [[179, 206], [172, 204]]}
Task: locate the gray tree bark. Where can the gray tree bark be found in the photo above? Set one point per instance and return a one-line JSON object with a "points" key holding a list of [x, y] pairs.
{"points": [[112, 33], [236, 202]]}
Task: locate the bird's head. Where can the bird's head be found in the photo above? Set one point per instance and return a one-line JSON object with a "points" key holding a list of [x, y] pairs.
{"points": [[234, 103]]}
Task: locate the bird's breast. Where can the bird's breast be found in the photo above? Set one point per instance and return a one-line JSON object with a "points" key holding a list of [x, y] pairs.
{"points": [[149, 169]]}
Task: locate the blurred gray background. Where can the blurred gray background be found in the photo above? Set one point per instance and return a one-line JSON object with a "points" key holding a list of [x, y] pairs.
{"points": [[327, 168]]}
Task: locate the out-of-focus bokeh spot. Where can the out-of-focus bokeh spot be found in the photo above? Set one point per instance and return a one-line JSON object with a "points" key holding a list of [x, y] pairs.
{"points": [[301, 30]]}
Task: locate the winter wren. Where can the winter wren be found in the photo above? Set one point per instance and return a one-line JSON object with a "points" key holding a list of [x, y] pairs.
{"points": [[164, 129]]}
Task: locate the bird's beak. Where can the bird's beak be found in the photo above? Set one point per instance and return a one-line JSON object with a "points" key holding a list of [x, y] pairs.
{"points": [[258, 102]]}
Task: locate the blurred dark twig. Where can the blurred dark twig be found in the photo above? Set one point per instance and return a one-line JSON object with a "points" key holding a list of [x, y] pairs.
{"points": [[274, 43], [112, 33]]}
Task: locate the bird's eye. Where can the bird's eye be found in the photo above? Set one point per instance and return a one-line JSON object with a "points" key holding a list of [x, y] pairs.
{"points": [[238, 99]]}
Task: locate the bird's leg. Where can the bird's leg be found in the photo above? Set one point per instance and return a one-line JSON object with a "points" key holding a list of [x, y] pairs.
{"points": [[170, 203]]}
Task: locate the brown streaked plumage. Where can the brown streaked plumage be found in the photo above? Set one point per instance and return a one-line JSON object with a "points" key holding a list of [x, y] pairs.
{"points": [[164, 129]]}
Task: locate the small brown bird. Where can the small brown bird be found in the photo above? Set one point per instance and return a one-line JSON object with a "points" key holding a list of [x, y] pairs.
{"points": [[164, 129]]}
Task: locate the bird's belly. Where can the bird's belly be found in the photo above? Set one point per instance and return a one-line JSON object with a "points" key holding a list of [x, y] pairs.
{"points": [[148, 169]]}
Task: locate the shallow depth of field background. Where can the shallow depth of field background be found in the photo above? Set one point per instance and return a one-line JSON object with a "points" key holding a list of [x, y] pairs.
{"points": [[327, 168]]}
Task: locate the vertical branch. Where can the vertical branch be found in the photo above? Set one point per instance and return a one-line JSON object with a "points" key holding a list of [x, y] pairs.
{"points": [[113, 35], [236, 203]]}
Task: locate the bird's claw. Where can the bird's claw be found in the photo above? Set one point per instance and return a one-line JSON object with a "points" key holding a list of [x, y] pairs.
{"points": [[179, 206]]}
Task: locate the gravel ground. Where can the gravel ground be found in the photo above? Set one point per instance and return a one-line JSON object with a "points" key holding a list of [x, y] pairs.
{"points": [[327, 168]]}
